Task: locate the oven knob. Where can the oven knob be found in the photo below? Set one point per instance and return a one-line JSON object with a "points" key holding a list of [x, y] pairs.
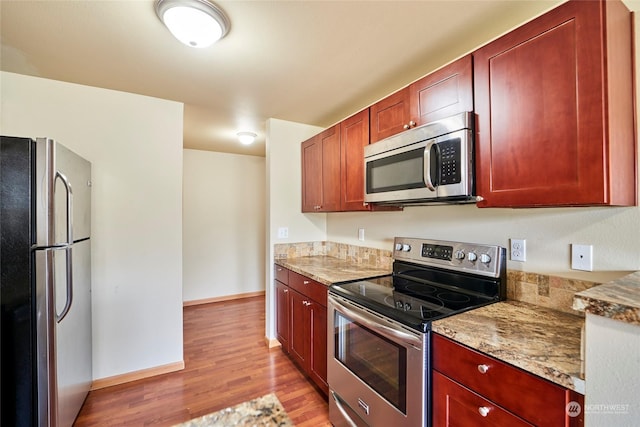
{"points": [[459, 255], [407, 306], [398, 246], [399, 305], [485, 259], [472, 256], [406, 247]]}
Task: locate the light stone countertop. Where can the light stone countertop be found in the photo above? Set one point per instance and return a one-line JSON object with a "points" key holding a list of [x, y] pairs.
{"points": [[539, 340], [329, 270], [265, 411], [618, 299]]}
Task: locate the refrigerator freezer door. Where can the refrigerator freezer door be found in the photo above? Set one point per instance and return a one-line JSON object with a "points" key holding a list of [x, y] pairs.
{"points": [[63, 195], [64, 345]]}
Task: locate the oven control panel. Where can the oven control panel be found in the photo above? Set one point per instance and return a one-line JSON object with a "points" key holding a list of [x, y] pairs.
{"points": [[487, 260]]}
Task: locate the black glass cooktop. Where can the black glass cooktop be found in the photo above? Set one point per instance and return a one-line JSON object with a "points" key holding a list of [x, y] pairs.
{"points": [[414, 303]]}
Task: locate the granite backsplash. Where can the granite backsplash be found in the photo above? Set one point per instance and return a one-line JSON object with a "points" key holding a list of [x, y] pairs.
{"points": [[539, 289], [356, 254], [544, 290]]}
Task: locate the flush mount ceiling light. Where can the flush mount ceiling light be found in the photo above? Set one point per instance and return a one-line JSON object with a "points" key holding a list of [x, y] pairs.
{"points": [[246, 138], [196, 23]]}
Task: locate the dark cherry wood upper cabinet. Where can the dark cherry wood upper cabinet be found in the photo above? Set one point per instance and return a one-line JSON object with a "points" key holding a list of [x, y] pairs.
{"points": [[321, 172], [354, 136], [443, 93], [555, 114], [391, 115]]}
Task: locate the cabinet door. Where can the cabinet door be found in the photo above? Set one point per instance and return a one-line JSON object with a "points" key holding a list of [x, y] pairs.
{"points": [[330, 140], [443, 93], [455, 405], [318, 351], [390, 115], [321, 172], [311, 174], [541, 100], [354, 136], [282, 315], [299, 328]]}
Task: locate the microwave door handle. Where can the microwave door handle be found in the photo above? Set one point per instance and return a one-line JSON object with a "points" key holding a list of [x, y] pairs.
{"points": [[427, 167]]}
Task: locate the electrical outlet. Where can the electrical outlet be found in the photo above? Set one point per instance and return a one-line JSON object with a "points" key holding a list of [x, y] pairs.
{"points": [[518, 250], [582, 257], [361, 234]]}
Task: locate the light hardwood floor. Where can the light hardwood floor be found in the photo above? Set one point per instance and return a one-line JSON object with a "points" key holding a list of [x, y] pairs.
{"points": [[226, 362]]}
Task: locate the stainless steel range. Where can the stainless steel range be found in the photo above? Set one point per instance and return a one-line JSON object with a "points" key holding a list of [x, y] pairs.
{"points": [[379, 338]]}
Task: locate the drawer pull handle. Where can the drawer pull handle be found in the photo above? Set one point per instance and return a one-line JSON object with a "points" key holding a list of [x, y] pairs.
{"points": [[483, 369], [484, 411], [306, 282]]}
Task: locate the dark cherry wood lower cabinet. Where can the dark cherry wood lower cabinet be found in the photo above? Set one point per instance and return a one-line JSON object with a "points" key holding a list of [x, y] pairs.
{"points": [[473, 389], [301, 325], [282, 315], [455, 405]]}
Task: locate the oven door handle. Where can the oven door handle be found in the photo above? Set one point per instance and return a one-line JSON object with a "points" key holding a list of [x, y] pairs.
{"points": [[375, 323]]}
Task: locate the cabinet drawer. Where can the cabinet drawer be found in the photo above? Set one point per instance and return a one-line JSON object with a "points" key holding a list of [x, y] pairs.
{"points": [[282, 274], [309, 288], [536, 400], [454, 404]]}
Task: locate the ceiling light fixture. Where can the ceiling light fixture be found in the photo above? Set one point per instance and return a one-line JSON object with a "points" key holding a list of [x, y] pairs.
{"points": [[246, 138], [196, 23]]}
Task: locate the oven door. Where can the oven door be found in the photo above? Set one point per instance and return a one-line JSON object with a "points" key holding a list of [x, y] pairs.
{"points": [[377, 369]]}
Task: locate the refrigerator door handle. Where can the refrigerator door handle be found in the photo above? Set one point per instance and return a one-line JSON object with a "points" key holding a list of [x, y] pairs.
{"points": [[67, 186], [69, 277]]}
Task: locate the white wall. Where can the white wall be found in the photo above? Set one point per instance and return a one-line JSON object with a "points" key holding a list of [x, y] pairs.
{"points": [[135, 146], [613, 232], [612, 373], [284, 197], [223, 232]]}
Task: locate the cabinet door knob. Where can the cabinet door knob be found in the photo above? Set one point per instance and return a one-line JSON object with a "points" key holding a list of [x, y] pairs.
{"points": [[484, 411], [412, 123], [306, 282], [286, 291], [483, 369], [406, 127]]}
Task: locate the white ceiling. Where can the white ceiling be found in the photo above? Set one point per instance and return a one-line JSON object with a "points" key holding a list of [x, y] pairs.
{"points": [[313, 62]]}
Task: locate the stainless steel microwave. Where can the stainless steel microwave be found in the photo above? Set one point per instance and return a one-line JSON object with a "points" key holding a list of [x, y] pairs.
{"points": [[432, 163]]}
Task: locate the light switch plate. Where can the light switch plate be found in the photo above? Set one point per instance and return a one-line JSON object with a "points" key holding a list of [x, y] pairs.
{"points": [[283, 232], [582, 257]]}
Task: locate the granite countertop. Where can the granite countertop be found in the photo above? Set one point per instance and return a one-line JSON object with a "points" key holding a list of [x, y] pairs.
{"points": [[539, 340], [618, 299], [329, 270]]}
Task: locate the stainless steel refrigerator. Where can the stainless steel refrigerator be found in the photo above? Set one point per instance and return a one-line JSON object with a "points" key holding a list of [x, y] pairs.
{"points": [[45, 265]]}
